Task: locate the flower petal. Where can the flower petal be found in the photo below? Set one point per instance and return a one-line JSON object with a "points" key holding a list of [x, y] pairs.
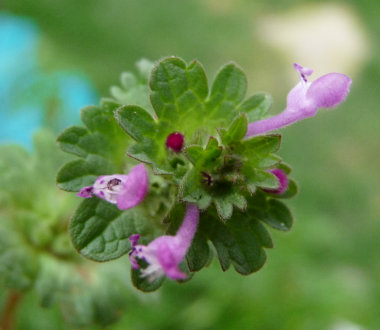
{"points": [[282, 180], [164, 254], [299, 106], [167, 248], [329, 90], [134, 189], [86, 192], [109, 187]]}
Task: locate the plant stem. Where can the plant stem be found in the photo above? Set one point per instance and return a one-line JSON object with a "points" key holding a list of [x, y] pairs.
{"points": [[10, 308]]}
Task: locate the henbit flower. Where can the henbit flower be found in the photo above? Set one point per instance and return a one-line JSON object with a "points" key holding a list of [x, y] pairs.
{"points": [[124, 190], [282, 180], [165, 253], [305, 99]]}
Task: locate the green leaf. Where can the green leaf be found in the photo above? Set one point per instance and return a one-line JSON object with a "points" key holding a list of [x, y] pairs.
{"points": [[79, 141], [100, 231], [236, 243], [199, 253], [257, 148], [227, 91], [193, 191], [69, 140], [204, 158], [259, 178], [236, 131], [260, 231], [278, 215], [256, 107], [290, 192], [224, 204], [135, 121], [80, 173], [101, 146], [177, 89], [270, 210]]}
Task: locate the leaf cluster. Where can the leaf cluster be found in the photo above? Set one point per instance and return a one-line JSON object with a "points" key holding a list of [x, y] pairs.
{"points": [[217, 168], [35, 251]]}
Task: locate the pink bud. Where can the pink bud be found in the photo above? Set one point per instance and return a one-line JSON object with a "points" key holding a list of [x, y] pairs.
{"points": [[175, 141]]}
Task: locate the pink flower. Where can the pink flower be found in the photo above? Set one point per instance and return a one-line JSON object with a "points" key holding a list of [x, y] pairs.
{"points": [[305, 99], [282, 181], [165, 253], [124, 190]]}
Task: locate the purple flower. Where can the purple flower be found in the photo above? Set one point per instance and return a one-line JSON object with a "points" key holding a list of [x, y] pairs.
{"points": [[305, 99], [164, 254], [124, 190], [282, 180]]}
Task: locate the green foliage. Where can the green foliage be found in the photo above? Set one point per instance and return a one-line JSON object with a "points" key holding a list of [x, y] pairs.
{"points": [[35, 251], [182, 103], [217, 168], [100, 145], [100, 231]]}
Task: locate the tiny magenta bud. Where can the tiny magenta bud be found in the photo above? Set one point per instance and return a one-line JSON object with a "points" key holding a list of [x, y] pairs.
{"points": [[175, 141]]}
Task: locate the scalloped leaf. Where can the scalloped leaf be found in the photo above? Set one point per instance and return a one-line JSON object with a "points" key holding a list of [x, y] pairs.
{"points": [[256, 106], [101, 146], [182, 103], [100, 231], [270, 210], [235, 242]]}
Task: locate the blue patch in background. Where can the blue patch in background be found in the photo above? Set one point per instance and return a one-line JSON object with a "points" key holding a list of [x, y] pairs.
{"points": [[30, 98]]}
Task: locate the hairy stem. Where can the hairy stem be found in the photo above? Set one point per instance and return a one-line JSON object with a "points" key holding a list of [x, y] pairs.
{"points": [[10, 308]]}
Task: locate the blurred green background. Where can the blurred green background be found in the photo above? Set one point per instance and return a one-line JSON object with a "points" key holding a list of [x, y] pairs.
{"points": [[324, 274]]}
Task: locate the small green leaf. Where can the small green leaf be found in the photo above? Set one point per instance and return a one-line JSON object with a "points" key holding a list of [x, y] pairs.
{"points": [[194, 154], [260, 232], [101, 145], [177, 89], [256, 106], [223, 207], [100, 231], [70, 138], [236, 131], [275, 214], [257, 148], [199, 253], [259, 178], [291, 191], [224, 203], [79, 173], [204, 158], [135, 121], [191, 190], [270, 160], [235, 242], [227, 91]]}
